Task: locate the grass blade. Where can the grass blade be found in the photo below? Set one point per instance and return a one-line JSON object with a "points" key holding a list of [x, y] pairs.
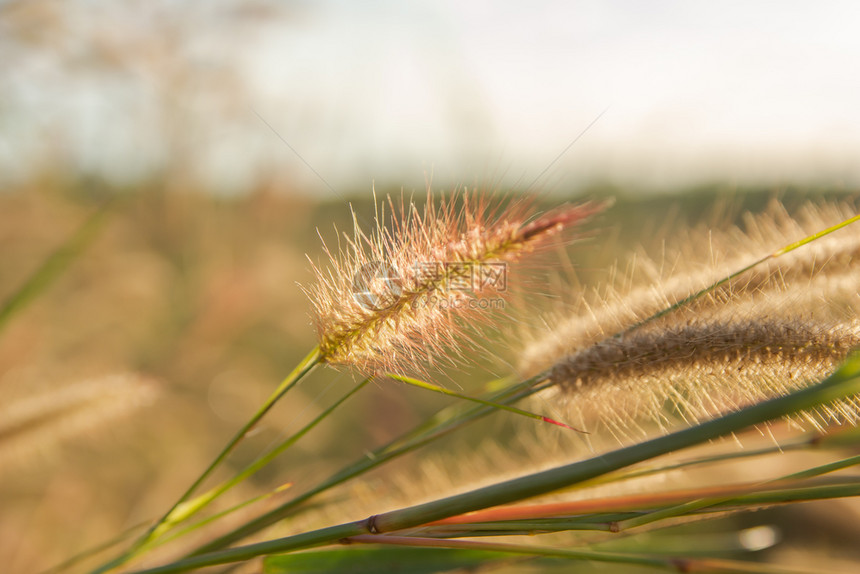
{"points": [[191, 507], [54, 265], [779, 252], [176, 513], [389, 559], [442, 390]]}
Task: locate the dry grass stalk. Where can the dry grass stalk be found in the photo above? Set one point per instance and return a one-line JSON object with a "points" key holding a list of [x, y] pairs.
{"points": [[401, 296], [38, 424]]}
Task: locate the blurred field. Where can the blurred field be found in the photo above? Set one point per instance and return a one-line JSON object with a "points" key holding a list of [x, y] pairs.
{"points": [[123, 377], [198, 294]]}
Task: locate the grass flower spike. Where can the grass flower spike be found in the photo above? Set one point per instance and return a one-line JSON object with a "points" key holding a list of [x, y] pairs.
{"points": [[704, 368], [401, 296], [766, 331]]}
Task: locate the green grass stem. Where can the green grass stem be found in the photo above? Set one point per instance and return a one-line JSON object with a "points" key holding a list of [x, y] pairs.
{"points": [[843, 383], [178, 512], [54, 265]]}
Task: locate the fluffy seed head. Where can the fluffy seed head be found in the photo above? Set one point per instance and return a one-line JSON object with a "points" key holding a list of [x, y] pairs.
{"points": [[781, 325], [821, 278], [704, 368], [402, 295]]}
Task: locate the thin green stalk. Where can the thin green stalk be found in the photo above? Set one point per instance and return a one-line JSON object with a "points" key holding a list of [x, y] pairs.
{"points": [[779, 252], [844, 382], [805, 443], [602, 520], [820, 489], [81, 556], [842, 489], [177, 512], [610, 557], [694, 505], [200, 502], [193, 506], [823, 469], [446, 421], [507, 528], [679, 564], [307, 364], [442, 390], [173, 535], [54, 265]]}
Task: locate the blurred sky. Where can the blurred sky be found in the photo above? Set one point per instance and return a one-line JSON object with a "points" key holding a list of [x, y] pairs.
{"points": [[477, 92]]}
